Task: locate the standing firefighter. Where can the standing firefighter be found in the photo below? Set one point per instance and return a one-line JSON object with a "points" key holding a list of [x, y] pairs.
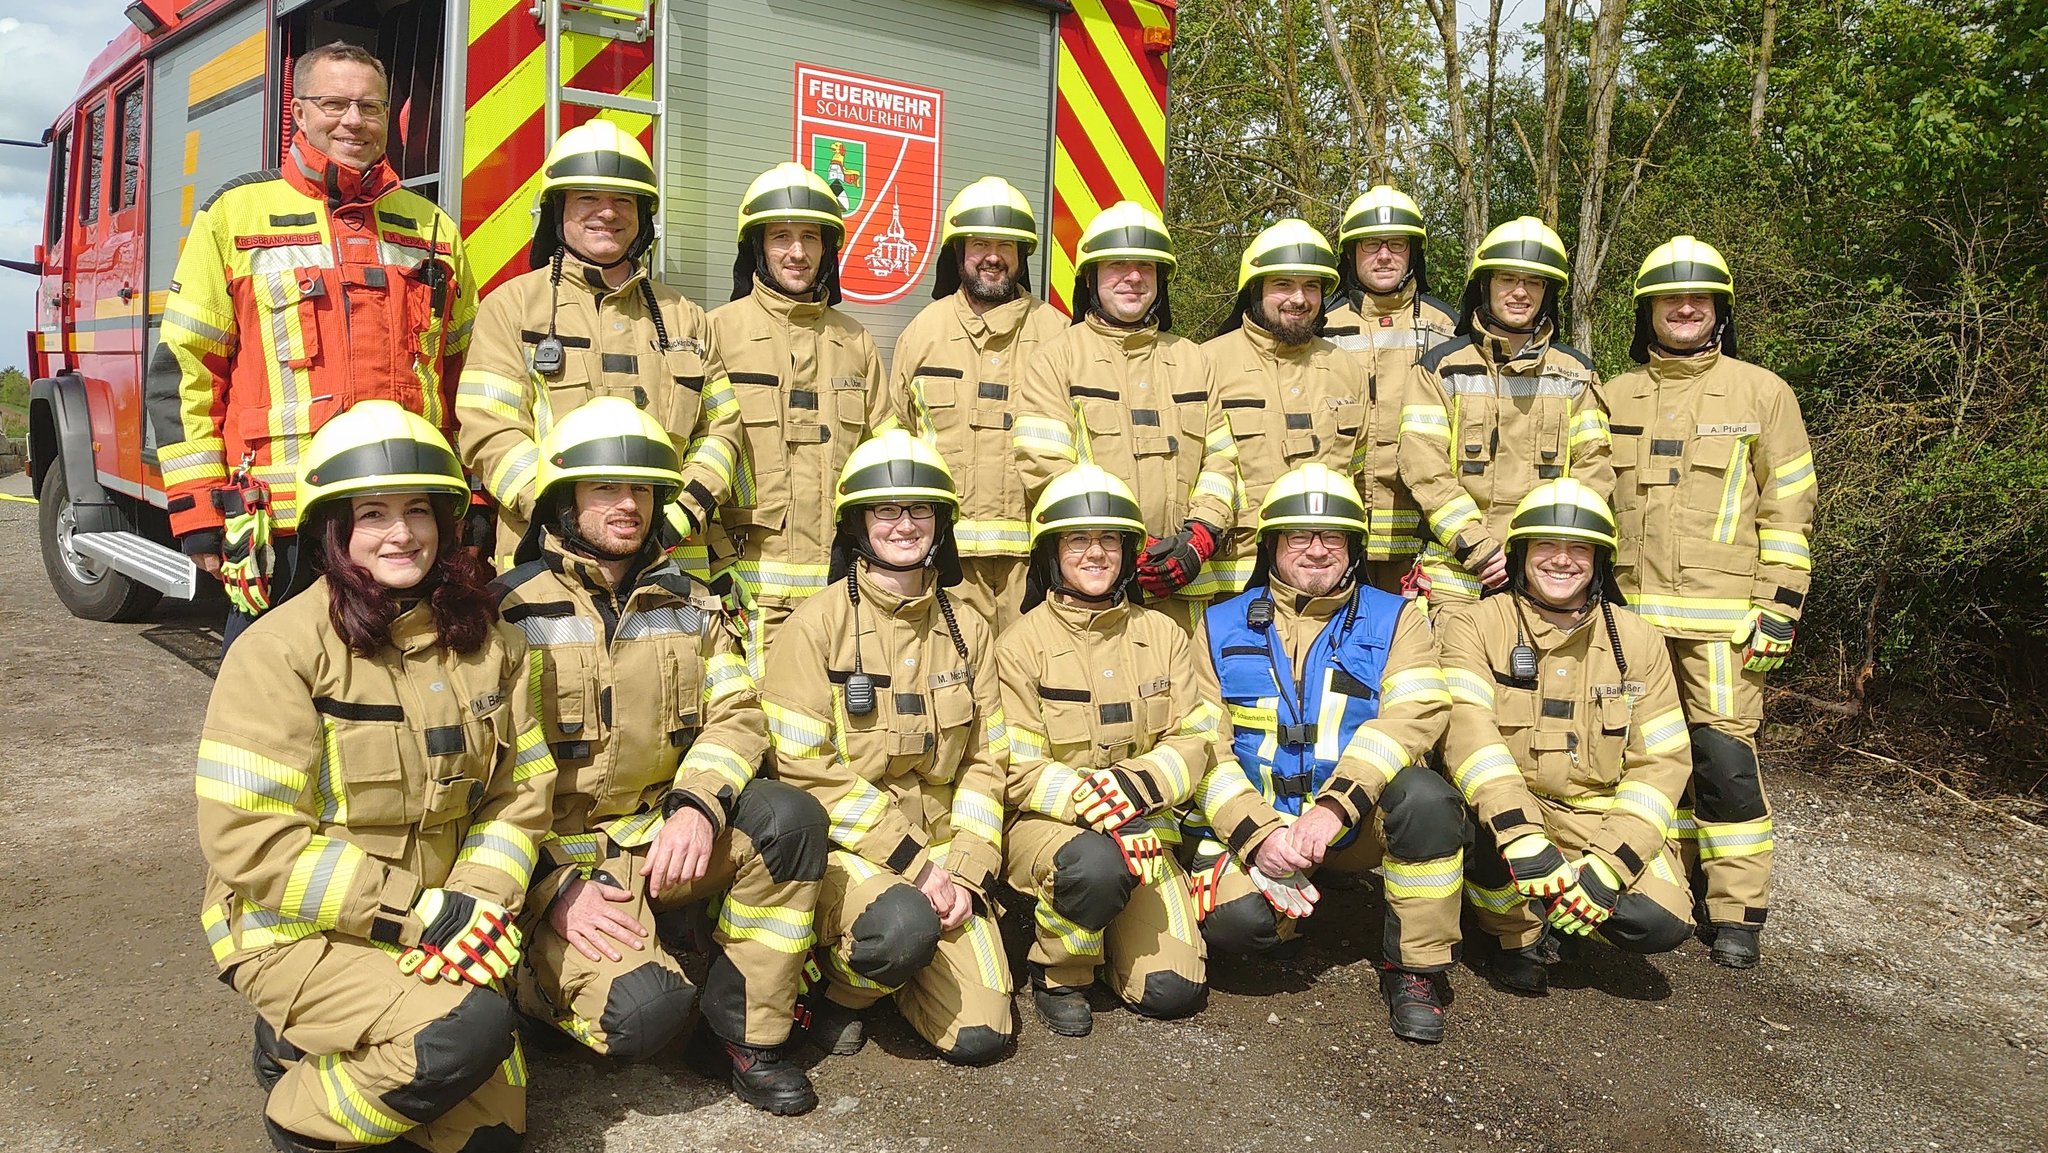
{"points": [[1109, 731], [1334, 698], [882, 703], [957, 368], [298, 293], [591, 320], [1568, 742], [372, 786], [655, 723], [1385, 316], [1715, 494], [1290, 396], [1118, 390], [810, 388], [1500, 410]]}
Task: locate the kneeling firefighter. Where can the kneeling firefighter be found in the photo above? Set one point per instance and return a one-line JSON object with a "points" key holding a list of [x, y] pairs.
{"points": [[1334, 699], [372, 784], [1568, 742], [882, 704], [651, 710], [1109, 731]]}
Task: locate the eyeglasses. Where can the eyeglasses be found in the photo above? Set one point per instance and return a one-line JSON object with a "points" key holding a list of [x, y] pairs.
{"points": [[338, 106], [1083, 543], [1398, 245], [1298, 540], [891, 512]]}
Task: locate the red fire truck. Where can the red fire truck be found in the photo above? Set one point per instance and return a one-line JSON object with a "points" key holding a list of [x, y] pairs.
{"points": [[899, 102]]}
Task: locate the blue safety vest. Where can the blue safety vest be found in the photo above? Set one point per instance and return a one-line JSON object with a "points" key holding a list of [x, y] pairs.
{"points": [[1289, 737]]}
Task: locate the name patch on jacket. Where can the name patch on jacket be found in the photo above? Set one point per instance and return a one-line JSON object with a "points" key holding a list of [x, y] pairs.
{"points": [[1740, 428], [1630, 689]]}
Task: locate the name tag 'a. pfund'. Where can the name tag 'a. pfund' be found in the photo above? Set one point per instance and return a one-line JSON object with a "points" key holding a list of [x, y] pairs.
{"points": [[1749, 428]]}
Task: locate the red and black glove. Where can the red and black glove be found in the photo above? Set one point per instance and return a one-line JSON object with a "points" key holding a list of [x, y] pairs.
{"points": [[1170, 563]]}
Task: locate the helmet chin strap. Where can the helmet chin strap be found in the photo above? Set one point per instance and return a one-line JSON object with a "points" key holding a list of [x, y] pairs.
{"points": [[1487, 318], [562, 235], [574, 540], [1712, 341]]}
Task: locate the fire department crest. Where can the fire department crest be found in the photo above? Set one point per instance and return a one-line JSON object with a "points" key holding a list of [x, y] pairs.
{"points": [[876, 143]]}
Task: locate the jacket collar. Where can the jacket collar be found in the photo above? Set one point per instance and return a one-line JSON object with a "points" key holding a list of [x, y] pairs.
{"points": [[1001, 321], [1079, 617], [1290, 602], [1683, 367], [1494, 349], [1374, 305], [576, 270], [1269, 346], [892, 604], [1128, 339], [319, 176], [786, 308]]}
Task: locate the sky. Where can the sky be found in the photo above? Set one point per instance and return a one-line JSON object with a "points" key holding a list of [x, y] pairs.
{"points": [[45, 47]]}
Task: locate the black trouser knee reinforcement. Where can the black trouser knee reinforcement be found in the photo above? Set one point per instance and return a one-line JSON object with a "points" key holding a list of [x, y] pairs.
{"points": [[1169, 995], [1090, 882], [1641, 925], [1725, 785], [455, 1055], [894, 937], [493, 1139], [977, 1045], [1424, 816], [787, 825], [646, 1010], [1241, 926]]}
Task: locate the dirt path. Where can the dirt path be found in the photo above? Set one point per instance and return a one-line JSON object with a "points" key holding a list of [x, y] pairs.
{"points": [[1899, 1006]]}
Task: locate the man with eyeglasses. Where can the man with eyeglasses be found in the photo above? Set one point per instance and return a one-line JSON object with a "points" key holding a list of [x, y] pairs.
{"points": [[1384, 315], [299, 292], [1334, 697]]}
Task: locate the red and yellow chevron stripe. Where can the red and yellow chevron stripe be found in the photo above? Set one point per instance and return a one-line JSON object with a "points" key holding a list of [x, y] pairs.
{"points": [[1109, 126], [504, 130]]}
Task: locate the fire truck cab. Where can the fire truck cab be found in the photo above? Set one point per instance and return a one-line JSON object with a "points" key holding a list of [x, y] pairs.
{"points": [[898, 103]]}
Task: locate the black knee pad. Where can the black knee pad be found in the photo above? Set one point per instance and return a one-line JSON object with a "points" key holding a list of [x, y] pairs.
{"points": [[724, 1001], [894, 937], [977, 1045], [454, 1056], [1169, 995], [494, 1139], [787, 825], [1724, 778], [1241, 926], [1424, 815], [646, 1010], [1641, 925], [1090, 882]]}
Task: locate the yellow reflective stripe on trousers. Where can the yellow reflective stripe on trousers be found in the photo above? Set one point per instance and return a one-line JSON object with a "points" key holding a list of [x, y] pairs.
{"points": [[1734, 839], [579, 848], [1720, 678], [351, 1107], [780, 929], [1503, 900], [513, 1069], [1438, 878], [1078, 942], [980, 934]]}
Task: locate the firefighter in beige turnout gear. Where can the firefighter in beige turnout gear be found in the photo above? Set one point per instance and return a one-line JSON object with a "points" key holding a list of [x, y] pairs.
{"points": [[657, 730], [592, 320], [810, 388], [1118, 390], [1333, 698], [955, 374], [1712, 452], [1109, 731], [1567, 740], [1384, 315], [1307, 399], [1498, 411], [882, 703], [370, 798]]}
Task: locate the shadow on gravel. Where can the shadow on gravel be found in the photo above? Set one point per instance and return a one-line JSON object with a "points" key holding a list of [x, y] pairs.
{"points": [[193, 640]]}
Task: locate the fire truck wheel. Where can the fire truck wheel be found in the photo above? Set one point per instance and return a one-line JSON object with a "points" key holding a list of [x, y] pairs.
{"points": [[91, 591]]}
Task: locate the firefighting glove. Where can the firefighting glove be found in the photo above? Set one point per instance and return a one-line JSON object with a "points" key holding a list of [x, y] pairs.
{"points": [[1539, 870], [1170, 563], [1205, 885], [465, 938], [1102, 799], [1290, 894], [246, 552], [1765, 637], [1144, 853], [1590, 900]]}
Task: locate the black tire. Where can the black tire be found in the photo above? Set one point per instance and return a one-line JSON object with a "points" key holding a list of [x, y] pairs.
{"points": [[90, 592]]}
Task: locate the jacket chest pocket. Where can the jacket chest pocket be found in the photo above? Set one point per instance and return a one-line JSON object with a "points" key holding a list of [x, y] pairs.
{"points": [[1350, 417], [1717, 470], [1550, 420], [1069, 717], [1478, 432], [850, 404], [1514, 714], [365, 761], [1253, 426], [1105, 418], [569, 698], [682, 694], [952, 710], [1302, 440], [1155, 710], [462, 752], [681, 390], [935, 397], [1155, 433], [288, 297], [991, 412], [1607, 728], [572, 387], [1245, 674]]}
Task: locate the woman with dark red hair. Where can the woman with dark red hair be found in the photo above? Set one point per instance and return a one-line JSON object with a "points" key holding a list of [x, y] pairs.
{"points": [[372, 788]]}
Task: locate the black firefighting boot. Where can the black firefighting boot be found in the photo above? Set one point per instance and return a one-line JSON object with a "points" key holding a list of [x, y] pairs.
{"points": [[1735, 946], [1415, 1010], [1063, 1008], [1524, 970], [834, 1028], [286, 1141], [272, 1055], [767, 1080]]}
